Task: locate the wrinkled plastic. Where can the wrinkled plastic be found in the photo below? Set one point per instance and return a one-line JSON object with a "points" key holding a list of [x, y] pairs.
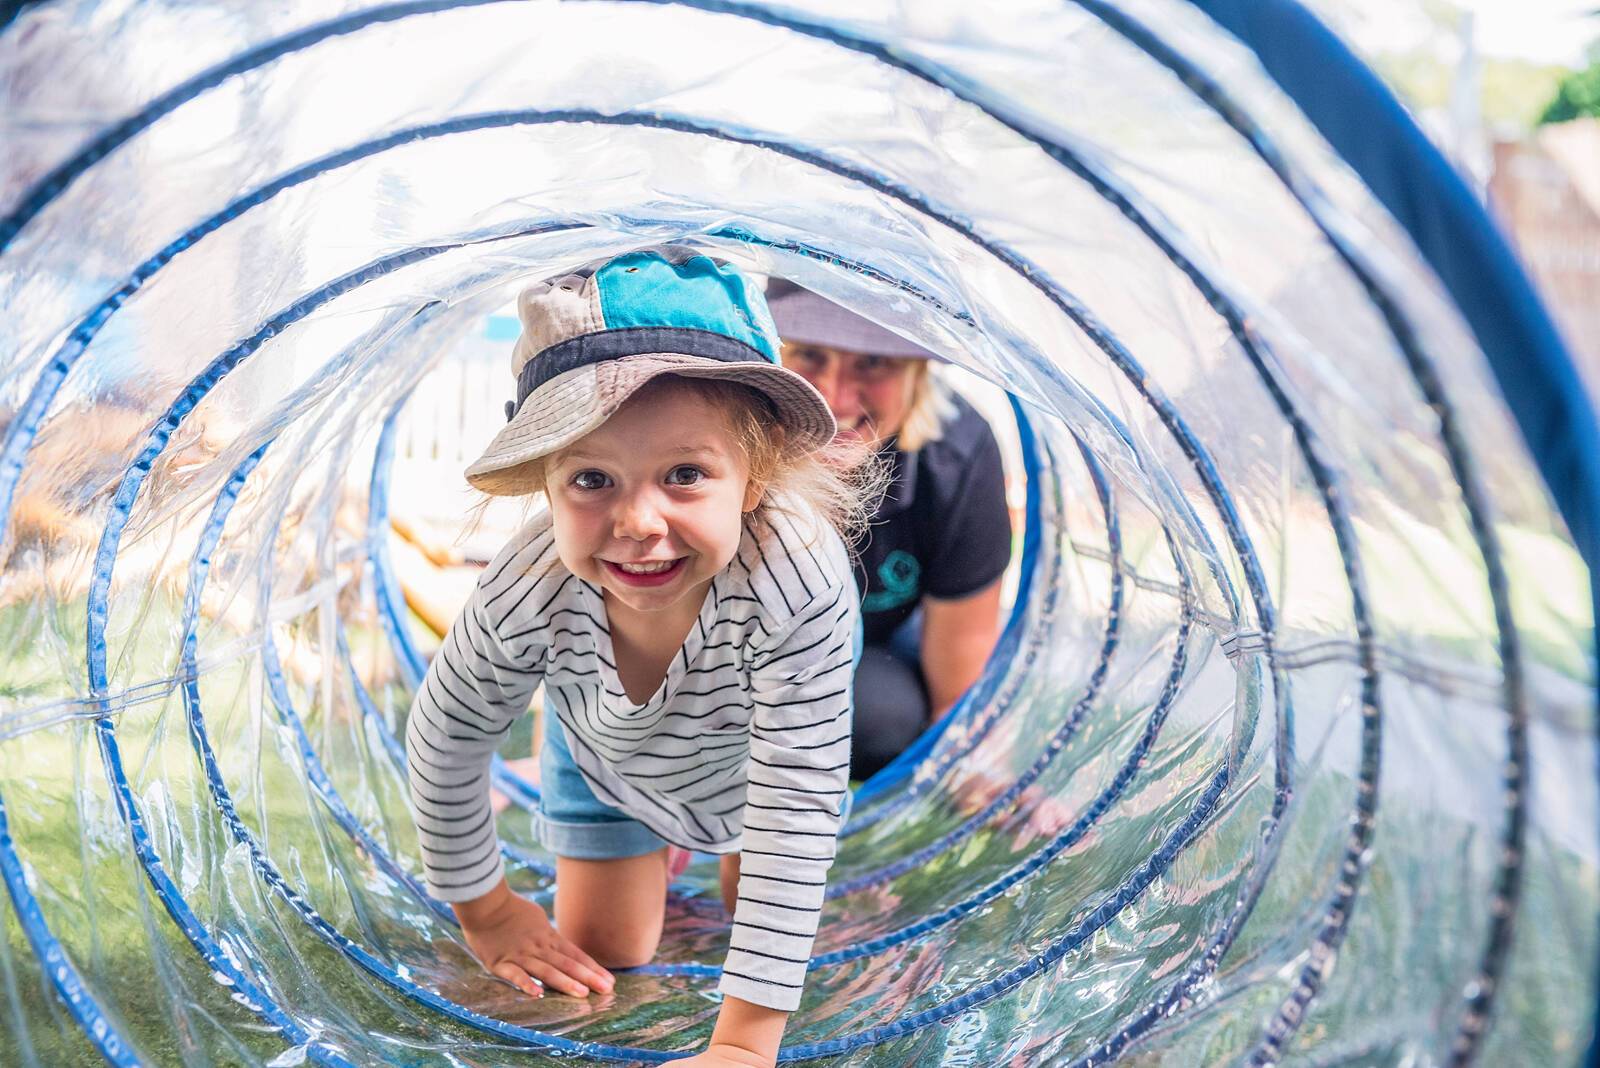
{"points": [[1287, 752]]}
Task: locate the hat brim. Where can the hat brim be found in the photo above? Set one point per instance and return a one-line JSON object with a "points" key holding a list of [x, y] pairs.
{"points": [[571, 405], [807, 318]]}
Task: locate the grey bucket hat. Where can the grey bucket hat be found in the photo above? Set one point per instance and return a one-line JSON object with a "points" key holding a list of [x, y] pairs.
{"points": [[590, 341], [805, 317]]}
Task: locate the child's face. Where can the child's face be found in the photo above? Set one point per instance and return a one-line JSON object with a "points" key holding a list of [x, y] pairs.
{"points": [[649, 506]]}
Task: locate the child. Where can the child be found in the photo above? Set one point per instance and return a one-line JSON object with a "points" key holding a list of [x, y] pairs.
{"points": [[688, 603]]}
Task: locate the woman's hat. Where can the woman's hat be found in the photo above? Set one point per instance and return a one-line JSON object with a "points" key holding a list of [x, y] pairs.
{"points": [[590, 340], [803, 316]]}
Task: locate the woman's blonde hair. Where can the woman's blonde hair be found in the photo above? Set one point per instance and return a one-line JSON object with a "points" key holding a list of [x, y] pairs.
{"points": [[841, 483], [928, 406]]}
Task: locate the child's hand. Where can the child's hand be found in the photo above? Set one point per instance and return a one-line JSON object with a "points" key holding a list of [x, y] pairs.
{"points": [[515, 941], [724, 1056]]}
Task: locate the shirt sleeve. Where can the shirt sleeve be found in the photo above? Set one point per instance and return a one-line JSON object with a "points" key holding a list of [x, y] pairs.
{"points": [[473, 692], [798, 777], [974, 543]]}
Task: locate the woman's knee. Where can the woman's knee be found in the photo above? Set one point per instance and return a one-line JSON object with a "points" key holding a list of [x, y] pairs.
{"points": [[891, 710]]}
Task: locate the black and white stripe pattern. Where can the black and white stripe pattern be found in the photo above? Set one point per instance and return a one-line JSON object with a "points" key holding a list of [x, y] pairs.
{"points": [[745, 746]]}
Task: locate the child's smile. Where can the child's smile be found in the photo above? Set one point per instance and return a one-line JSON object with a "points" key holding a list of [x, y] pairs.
{"points": [[644, 572]]}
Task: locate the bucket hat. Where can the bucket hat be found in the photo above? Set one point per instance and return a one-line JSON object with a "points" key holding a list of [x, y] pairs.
{"points": [[590, 340], [805, 317]]}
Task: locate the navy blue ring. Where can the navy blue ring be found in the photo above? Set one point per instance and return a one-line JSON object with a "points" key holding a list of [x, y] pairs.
{"points": [[220, 367], [57, 966], [1173, 421]]}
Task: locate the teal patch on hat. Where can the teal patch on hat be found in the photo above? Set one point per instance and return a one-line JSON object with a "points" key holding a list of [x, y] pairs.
{"points": [[646, 289]]}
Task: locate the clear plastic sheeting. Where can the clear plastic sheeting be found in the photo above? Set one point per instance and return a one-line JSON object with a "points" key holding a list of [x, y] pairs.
{"points": [[1287, 752]]}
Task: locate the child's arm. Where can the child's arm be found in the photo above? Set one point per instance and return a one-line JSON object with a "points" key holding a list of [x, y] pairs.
{"points": [[475, 689], [477, 686], [746, 1036], [798, 775]]}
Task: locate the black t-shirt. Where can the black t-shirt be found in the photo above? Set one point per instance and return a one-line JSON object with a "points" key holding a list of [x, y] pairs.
{"points": [[942, 530]]}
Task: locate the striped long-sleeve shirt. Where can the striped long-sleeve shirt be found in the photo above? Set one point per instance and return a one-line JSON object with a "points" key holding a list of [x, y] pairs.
{"points": [[744, 747]]}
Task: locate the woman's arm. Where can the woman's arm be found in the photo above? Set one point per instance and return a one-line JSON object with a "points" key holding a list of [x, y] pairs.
{"points": [[957, 637]]}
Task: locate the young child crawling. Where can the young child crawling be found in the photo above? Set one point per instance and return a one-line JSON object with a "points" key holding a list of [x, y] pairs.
{"points": [[688, 603]]}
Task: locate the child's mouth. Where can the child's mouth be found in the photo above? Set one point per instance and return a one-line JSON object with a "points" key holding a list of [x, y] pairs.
{"points": [[645, 572]]}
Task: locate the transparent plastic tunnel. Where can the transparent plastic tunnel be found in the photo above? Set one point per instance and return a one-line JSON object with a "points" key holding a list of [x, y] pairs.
{"points": [[1288, 750]]}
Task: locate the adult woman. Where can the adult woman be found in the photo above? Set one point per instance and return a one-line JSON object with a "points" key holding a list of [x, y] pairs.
{"points": [[930, 571]]}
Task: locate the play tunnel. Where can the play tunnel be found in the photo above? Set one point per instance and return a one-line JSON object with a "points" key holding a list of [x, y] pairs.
{"points": [[1287, 752]]}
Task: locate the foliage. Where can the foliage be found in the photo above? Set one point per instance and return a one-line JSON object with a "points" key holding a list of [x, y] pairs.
{"points": [[1577, 97]]}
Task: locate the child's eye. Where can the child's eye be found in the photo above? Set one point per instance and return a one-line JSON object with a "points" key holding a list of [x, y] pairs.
{"points": [[685, 475], [590, 480]]}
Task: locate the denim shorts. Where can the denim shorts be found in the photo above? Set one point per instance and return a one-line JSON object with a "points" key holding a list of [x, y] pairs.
{"points": [[573, 823]]}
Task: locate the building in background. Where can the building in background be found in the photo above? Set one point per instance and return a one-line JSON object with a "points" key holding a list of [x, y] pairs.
{"points": [[1510, 92], [1545, 189]]}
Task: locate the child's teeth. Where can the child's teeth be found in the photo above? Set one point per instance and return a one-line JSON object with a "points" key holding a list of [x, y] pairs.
{"points": [[645, 569]]}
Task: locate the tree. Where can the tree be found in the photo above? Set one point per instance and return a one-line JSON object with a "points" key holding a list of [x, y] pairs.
{"points": [[1577, 97]]}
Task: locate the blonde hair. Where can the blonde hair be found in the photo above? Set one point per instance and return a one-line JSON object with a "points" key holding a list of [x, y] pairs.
{"points": [[928, 406], [841, 482]]}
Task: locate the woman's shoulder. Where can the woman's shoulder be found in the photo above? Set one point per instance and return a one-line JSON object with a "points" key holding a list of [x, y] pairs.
{"points": [[967, 456], [965, 438]]}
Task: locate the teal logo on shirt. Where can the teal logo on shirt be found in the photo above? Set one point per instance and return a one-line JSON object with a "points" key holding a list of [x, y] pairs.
{"points": [[900, 574]]}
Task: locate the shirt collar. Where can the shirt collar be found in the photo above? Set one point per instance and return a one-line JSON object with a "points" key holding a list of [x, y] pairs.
{"points": [[902, 480]]}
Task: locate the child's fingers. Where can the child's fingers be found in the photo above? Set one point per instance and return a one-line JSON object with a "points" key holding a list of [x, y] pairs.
{"points": [[519, 978], [576, 952], [554, 978], [581, 967]]}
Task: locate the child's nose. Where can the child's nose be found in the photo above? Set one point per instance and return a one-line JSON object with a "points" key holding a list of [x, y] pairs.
{"points": [[640, 517]]}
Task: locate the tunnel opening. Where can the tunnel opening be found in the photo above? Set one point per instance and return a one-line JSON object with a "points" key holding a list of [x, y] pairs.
{"points": [[1287, 747]]}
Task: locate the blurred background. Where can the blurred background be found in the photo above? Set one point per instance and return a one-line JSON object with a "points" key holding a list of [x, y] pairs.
{"points": [[1510, 89]]}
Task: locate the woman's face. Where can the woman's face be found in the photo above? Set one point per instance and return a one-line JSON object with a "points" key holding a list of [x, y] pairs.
{"points": [[869, 395]]}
